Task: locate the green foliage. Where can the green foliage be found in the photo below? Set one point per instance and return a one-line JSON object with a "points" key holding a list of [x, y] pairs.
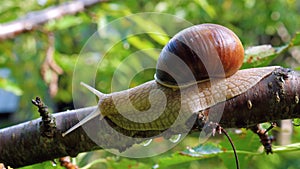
{"points": [[10, 86], [256, 23], [45, 165], [263, 55]]}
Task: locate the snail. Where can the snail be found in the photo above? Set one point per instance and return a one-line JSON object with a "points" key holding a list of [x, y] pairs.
{"points": [[187, 65]]}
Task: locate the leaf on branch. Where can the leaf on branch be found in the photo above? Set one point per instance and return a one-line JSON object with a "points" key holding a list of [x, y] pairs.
{"points": [[258, 56]]}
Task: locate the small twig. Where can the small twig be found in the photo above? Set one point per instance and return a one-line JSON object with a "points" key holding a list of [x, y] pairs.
{"points": [[50, 71], [216, 128], [265, 140], [273, 124], [34, 19], [47, 125], [232, 145]]}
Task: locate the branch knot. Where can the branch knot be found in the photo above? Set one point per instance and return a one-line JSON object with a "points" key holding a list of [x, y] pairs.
{"points": [[47, 125]]}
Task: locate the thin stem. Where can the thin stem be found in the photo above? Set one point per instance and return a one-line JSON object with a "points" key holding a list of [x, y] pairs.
{"points": [[273, 124], [233, 148]]}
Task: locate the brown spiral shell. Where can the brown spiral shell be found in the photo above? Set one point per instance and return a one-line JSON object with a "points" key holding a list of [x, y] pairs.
{"points": [[198, 53]]}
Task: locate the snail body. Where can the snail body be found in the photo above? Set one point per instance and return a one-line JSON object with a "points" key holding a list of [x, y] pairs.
{"points": [[158, 104]]}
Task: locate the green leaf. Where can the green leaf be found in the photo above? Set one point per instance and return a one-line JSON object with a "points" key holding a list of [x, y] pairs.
{"points": [[200, 152], [259, 56], [296, 40], [175, 159], [126, 163], [64, 23], [159, 35], [139, 43], [89, 165], [296, 121], [286, 148], [44, 165], [224, 152], [10, 86], [209, 9], [203, 150]]}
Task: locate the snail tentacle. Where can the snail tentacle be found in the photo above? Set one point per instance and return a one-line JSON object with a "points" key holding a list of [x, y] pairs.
{"points": [[94, 114], [93, 90]]}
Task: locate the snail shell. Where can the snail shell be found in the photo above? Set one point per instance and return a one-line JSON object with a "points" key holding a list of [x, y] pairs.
{"points": [[198, 53]]}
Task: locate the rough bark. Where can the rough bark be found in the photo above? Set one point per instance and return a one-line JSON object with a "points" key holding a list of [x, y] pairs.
{"points": [[33, 19], [275, 97]]}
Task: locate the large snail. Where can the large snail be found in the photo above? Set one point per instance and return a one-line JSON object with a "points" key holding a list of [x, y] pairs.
{"points": [[188, 61]]}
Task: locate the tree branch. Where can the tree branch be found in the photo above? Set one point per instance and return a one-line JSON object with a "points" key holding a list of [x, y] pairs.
{"points": [[33, 19], [275, 97]]}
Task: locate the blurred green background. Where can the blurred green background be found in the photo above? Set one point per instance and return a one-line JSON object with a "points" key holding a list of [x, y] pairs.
{"points": [[255, 22]]}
